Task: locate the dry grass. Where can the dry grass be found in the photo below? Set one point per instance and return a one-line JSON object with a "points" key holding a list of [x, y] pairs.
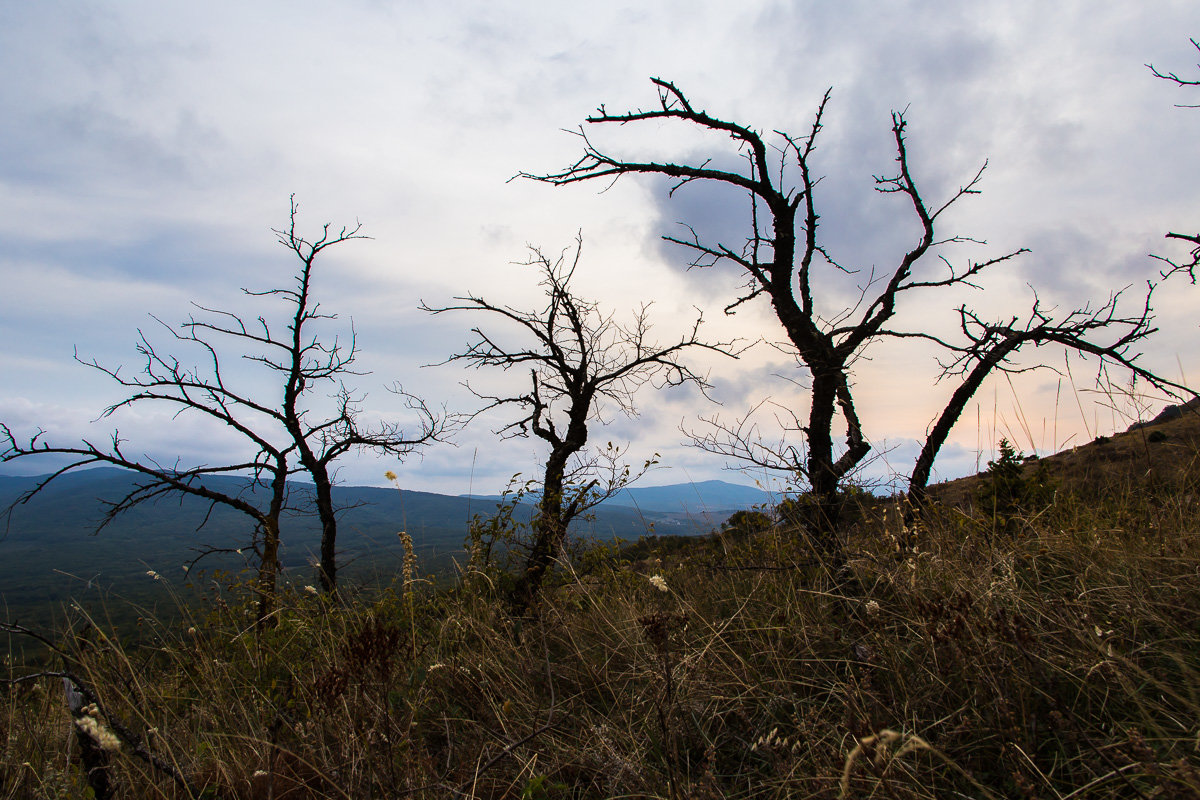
{"points": [[1061, 661]]}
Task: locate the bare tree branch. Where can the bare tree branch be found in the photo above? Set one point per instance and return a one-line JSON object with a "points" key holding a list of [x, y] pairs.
{"points": [[1175, 79], [1188, 267]]}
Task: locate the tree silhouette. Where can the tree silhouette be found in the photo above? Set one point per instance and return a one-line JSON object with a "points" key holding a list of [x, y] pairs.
{"points": [[581, 361], [784, 260], [286, 435], [1102, 332]]}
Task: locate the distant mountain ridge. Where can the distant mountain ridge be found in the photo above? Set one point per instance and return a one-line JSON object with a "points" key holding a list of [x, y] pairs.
{"points": [[712, 496], [698, 497], [48, 556]]}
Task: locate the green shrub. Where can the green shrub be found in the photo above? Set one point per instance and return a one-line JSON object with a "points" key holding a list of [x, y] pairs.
{"points": [[745, 523]]}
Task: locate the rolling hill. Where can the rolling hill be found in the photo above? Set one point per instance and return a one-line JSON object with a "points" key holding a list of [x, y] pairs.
{"points": [[50, 552]]}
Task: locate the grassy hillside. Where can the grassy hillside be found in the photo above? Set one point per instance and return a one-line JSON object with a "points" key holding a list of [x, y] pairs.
{"points": [[1149, 457], [1049, 651]]}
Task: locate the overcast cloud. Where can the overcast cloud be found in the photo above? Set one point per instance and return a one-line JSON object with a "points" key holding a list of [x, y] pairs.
{"points": [[147, 149]]}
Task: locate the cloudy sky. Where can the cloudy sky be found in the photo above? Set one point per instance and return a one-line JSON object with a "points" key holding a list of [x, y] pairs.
{"points": [[147, 149]]}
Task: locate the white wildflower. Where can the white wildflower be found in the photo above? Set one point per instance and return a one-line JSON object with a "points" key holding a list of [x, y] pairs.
{"points": [[659, 582], [872, 608], [98, 733], [154, 575]]}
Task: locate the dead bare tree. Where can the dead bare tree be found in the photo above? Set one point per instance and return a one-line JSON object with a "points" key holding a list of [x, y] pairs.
{"points": [[303, 361], [581, 362], [286, 436], [1102, 332], [783, 258], [1185, 267]]}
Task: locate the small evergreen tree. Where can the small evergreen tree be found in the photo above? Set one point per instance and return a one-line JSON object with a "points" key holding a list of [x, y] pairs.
{"points": [[1006, 489]]}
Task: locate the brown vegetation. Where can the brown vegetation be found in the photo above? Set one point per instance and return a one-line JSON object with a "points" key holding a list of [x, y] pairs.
{"points": [[1056, 658]]}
